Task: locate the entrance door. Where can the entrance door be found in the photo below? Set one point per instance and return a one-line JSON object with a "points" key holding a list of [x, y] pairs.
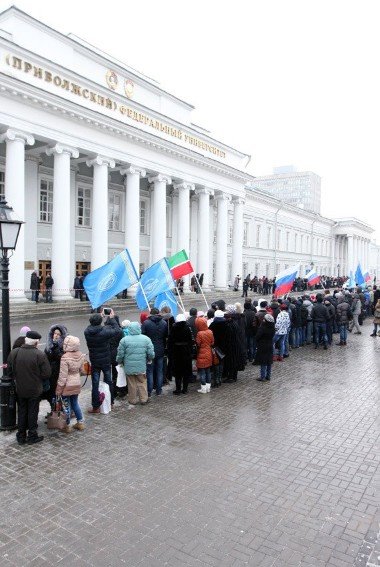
{"points": [[44, 268], [82, 268]]}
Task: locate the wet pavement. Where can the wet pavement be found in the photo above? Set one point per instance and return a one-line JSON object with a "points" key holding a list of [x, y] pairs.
{"points": [[262, 474]]}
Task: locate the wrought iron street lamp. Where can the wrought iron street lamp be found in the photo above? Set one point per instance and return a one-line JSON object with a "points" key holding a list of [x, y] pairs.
{"points": [[9, 231]]}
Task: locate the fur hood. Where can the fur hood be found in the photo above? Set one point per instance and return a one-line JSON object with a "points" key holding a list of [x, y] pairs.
{"points": [[49, 338], [71, 344]]}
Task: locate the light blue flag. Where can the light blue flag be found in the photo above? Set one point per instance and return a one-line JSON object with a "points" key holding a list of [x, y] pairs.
{"points": [[351, 282], [359, 278], [155, 280], [167, 299], [109, 280]]}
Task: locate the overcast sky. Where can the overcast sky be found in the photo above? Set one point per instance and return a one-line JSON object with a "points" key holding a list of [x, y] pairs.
{"points": [[286, 81]]}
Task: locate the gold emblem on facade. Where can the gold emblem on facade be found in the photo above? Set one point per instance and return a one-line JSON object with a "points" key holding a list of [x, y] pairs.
{"points": [[111, 79], [129, 87]]}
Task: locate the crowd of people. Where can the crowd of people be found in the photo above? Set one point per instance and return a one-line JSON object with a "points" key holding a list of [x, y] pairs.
{"points": [[212, 346]]}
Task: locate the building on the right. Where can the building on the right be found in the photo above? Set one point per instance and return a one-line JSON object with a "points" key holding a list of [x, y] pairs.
{"points": [[299, 188]]}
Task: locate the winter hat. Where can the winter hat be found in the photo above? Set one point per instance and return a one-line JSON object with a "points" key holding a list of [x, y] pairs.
{"points": [[33, 335], [263, 304], [219, 314], [23, 331], [125, 323], [180, 318], [268, 317], [143, 316], [283, 306], [231, 309], [200, 314]]}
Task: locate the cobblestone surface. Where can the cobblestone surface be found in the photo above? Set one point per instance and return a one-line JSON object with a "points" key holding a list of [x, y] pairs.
{"points": [[262, 474]]}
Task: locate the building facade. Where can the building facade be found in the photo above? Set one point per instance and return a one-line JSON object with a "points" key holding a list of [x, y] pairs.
{"points": [[96, 157], [302, 189]]}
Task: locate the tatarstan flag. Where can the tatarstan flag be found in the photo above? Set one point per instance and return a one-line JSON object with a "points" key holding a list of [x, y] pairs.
{"points": [[180, 265]]}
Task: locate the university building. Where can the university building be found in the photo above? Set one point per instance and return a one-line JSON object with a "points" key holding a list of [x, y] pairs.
{"points": [[96, 157]]}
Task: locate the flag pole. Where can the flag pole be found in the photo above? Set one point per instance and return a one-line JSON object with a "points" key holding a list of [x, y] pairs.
{"points": [[180, 299], [204, 297], [143, 292]]}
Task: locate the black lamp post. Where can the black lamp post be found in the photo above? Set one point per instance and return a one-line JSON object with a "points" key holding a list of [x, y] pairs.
{"points": [[9, 231], [338, 266]]}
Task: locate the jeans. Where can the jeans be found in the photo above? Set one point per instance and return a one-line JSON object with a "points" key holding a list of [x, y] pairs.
{"points": [[72, 404], [343, 332], [204, 375], [265, 371], [375, 325], [251, 347], [329, 331], [156, 371], [218, 372], [309, 332], [281, 343], [320, 329], [286, 343], [107, 376], [296, 336], [49, 295]]}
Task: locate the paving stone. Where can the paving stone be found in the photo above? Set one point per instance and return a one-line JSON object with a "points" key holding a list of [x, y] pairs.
{"points": [[272, 475]]}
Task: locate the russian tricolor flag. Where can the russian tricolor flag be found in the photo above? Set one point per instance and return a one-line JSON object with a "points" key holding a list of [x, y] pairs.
{"points": [[313, 278], [285, 280]]}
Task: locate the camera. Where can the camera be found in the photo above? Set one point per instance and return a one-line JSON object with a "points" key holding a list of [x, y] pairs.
{"points": [[107, 311]]}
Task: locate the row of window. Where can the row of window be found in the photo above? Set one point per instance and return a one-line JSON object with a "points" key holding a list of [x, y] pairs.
{"points": [[83, 207]]}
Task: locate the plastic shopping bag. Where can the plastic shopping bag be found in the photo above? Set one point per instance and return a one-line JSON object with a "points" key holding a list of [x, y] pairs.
{"points": [[121, 381], [106, 404]]}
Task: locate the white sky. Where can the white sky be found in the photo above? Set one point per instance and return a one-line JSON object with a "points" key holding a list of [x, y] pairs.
{"points": [[286, 81]]}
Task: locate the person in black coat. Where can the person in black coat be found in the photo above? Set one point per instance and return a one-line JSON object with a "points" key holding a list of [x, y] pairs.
{"points": [[54, 351], [249, 317], [98, 338], [77, 286], [219, 330], [156, 329], [264, 342], [234, 358], [179, 347]]}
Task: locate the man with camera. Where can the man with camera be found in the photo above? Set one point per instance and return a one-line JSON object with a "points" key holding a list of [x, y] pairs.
{"points": [[98, 337]]}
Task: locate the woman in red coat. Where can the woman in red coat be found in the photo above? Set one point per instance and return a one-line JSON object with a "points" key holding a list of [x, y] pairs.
{"points": [[204, 340]]}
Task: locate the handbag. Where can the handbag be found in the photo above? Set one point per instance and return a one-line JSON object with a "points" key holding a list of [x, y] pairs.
{"points": [[219, 353], [121, 381], [215, 358], [57, 418], [86, 369]]}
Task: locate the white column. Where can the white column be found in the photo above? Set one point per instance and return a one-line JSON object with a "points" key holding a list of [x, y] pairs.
{"points": [[15, 196], [99, 232], [333, 263], [204, 234], [132, 212], [174, 222], [211, 242], [350, 254], [183, 222], [221, 268], [194, 232], [237, 238], [158, 235], [73, 215], [366, 254], [31, 213], [60, 234]]}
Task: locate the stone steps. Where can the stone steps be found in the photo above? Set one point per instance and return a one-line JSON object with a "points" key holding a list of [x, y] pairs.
{"points": [[22, 312]]}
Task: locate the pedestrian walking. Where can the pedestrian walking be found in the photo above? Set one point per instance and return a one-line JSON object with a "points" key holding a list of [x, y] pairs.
{"points": [[69, 383]]}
